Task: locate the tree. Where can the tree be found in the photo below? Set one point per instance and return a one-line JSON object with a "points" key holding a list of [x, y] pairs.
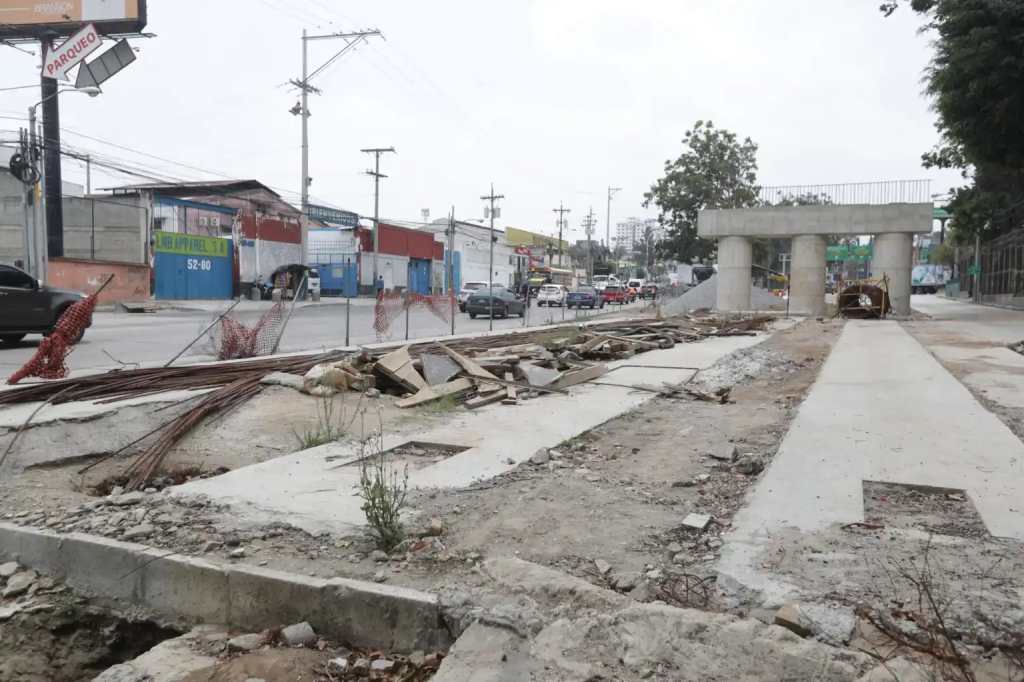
{"points": [[715, 170], [976, 79]]}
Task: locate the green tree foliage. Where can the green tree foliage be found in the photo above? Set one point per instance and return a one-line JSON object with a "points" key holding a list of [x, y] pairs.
{"points": [[976, 78], [715, 170]]}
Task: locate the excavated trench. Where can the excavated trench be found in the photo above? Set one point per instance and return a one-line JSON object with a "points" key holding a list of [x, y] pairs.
{"points": [[72, 642]]}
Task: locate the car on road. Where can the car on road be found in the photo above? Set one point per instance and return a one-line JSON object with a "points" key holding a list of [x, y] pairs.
{"points": [[468, 289], [584, 297], [635, 283], [614, 293], [649, 290], [29, 307], [505, 303], [551, 294], [601, 281]]}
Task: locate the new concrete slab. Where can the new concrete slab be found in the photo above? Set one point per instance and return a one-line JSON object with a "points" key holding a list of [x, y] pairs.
{"points": [[882, 409], [315, 489]]}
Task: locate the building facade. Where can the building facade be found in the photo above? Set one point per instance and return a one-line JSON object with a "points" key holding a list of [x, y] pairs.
{"points": [[629, 233]]}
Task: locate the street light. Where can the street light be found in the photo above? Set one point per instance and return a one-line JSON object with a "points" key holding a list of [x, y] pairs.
{"points": [[39, 241]]}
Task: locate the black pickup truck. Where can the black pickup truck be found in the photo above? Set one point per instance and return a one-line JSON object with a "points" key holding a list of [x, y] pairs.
{"points": [[28, 307]]}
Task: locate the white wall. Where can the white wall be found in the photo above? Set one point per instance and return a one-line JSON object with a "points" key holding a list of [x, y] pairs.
{"points": [[395, 270], [271, 256]]}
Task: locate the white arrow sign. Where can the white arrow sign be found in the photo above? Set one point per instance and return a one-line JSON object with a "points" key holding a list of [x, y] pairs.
{"points": [[76, 48]]}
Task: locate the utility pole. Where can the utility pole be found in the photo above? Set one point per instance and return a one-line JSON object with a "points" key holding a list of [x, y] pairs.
{"points": [[561, 211], [588, 226], [377, 175], [492, 197], [351, 40], [608, 216], [451, 265], [88, 174]]}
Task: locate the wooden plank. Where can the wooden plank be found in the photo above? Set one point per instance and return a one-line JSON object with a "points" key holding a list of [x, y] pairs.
{"points": [[485, 399], [430, 393], [397, 366], [472, 368], [580, 375]]}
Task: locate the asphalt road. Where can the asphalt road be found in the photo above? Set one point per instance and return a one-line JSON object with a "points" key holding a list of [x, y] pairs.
{"points": [[154, 338]]}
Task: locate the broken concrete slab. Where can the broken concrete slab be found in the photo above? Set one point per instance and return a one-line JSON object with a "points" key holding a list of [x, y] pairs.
{"points": [[726, 452], [283, 379], [439, 369], [249, 642], [489, 654], [428, 394], [834, 623], [19, 583], [299, 634], [537, 376], [397, 366], [792, 617], [696, 521]]}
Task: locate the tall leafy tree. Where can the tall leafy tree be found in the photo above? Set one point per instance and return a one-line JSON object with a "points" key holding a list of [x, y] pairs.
{"points": [[976, 80], [715, 170]]}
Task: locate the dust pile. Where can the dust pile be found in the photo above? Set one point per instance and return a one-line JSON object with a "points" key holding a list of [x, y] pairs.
{"points": [[705, 295]]}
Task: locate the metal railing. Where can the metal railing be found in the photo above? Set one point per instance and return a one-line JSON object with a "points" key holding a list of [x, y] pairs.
{"points": [[847, 194], [1000, 276]]}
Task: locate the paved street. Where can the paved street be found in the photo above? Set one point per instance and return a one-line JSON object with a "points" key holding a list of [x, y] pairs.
{"points": [[156, 337]]}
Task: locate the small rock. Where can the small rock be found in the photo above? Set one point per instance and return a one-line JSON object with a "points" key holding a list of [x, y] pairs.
{"points": [[641, 592], [8, 569], [684, 484], [602, 566], [435, 528], [338, 665], [237, 553], [750, 466], [793, 619], [697, 521], [143, 530], [724, 453], [655, 574], [150, 491], [379, 556], [380, 576], [510, 461], [540, 457], [625, 581], [19, 583], [128, 499], [248, 642], [361, 664], [382, 665], [702, 478], [833, 623], [299, 634], [674, 547], [116, 491], [417, 659], [554, 454], [210, 546], [372, 393], [680, 558], [714, 543]]}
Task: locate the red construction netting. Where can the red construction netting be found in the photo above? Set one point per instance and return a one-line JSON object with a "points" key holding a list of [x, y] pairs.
{"points": [[49, 360], [390, 306], [239, 341]]}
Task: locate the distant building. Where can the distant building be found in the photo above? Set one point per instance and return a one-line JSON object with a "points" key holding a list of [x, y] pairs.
{"points": [[629, 233], [471, 254]]}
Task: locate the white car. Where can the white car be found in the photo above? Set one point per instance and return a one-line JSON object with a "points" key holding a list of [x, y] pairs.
{"points": [[551, 294], [635, 284], [469, 288], [601, 281]]}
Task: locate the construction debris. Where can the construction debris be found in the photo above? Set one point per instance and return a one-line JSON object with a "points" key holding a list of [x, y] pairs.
{"points": [[505, 368]]}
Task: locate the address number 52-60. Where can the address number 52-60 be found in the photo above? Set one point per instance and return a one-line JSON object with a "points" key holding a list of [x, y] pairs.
{"points": [[204, 264]]}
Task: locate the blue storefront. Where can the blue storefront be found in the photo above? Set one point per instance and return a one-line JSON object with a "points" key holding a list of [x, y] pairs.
{"points": [[188, 266]]}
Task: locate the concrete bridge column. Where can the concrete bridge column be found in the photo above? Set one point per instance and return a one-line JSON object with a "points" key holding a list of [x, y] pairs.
{"points": [[735, 256], [807, 277], [893, 256]]}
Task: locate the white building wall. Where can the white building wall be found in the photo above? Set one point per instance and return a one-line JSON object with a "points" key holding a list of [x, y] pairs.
{"points": [[268, 255], [395, 270]]}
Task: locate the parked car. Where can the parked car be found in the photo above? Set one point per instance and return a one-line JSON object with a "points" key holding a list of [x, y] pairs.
{"points": [[635, 283], [468, 289], [614, 293], [505, 303], [584, 297], [28, 307], [649, 290], [551, 294]]}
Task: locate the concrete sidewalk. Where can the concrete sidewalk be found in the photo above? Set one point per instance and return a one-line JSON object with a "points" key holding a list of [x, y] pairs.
{"points": [[882, 409]]}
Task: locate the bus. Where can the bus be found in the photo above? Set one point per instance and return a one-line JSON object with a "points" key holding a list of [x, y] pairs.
{"points": [[539, 276]]}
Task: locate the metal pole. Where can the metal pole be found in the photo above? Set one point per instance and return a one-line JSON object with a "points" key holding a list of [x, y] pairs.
{"points": [[92, 233], [88, 174], [490, 269], [348, 306], [451, 265], [407, 311], [51, 160], [39, 211], [977, 267], [376, 215]]}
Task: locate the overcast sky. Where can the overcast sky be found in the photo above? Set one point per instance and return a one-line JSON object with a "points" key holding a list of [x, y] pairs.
{"points": [[552, 100]]}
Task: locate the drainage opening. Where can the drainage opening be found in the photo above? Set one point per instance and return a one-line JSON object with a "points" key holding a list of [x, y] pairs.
{"points": [[162, 480], [417, 454], [943, 511], [72, 643]]}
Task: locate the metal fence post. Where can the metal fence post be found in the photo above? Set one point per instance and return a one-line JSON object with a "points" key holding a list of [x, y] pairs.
{"points": [[348, 306], [407, 313]]}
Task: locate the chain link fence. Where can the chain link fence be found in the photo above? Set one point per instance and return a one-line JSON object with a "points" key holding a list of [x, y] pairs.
{"points": [[995, 274]]}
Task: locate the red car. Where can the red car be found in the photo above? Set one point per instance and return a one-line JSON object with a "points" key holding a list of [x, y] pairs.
{"points": [[613, 293]]}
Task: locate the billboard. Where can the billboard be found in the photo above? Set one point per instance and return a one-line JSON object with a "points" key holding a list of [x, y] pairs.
{"points": [[51, 18]]}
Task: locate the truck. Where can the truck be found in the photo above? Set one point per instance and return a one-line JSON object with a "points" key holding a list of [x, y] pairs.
{"points": [[928, 279]]}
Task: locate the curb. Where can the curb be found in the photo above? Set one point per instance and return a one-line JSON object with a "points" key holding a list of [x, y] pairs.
{"points": [[247, 597]]}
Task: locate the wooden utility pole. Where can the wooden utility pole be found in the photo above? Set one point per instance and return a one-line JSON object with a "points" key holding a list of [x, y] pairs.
{"points": [[561, 211]]}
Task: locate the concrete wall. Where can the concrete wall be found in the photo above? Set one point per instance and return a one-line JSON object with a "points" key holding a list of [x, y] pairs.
{"points": [[271, 256], [790, 221], [118, 234], [131, 280]]}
